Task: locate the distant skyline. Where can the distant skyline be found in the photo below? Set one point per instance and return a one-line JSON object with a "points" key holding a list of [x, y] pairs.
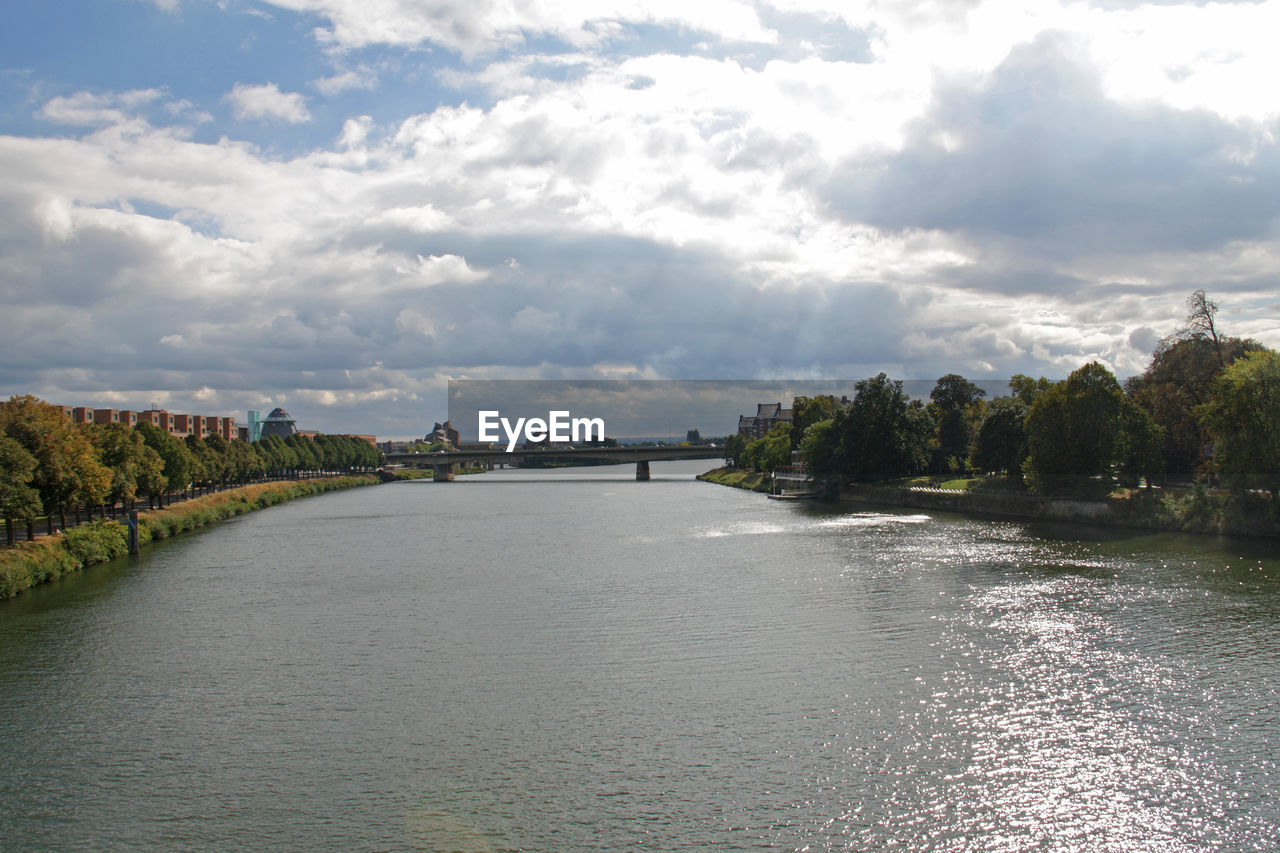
{"points": [[337, 206]]}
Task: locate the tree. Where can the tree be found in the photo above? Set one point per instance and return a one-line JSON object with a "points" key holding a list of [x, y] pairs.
{"points": [[175, 457], [282, 457], [1200, 321], [693, 436], [1179, 379], [1140, 446], [956, 407], [1027, 390], [820, 448], [18, 501], [1072, 431], [133, 465], [806, 411], [771, 452], [330, 449], [1243, 418], [1000, 442], [308, 460], [67, 467], [883, 432], [205, 467], [265, 457], [734, 446], [220, 463]]}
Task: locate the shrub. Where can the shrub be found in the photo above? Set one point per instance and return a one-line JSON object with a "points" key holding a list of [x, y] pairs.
{"points": [[96, 542]]}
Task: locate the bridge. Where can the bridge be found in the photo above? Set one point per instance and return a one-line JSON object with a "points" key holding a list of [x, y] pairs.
{"points": [[444, 461]]}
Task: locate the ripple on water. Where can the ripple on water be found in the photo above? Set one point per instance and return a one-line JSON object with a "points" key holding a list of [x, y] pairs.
{"points": [[533, 667]]}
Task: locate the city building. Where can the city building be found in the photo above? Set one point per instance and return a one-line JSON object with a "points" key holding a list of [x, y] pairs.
{"points": [[253, 431], [444, 432], [768, 415], [278, 423]]}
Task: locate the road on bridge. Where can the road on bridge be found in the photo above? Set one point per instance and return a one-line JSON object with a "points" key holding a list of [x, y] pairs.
{"points": [[444, 461]]}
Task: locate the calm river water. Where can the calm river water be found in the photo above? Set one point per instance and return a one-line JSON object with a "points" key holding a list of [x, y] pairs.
{"points": [[574, 661]]}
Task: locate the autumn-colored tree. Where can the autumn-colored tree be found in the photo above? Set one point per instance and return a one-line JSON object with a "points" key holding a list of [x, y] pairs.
{"points": [[67, 467]]}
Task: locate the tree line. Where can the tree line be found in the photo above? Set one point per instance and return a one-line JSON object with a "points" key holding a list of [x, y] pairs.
{"points": [[1207, 405], [49, 465]]}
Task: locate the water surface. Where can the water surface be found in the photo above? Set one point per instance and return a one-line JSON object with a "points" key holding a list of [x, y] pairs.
{"points": [[571, 660]]}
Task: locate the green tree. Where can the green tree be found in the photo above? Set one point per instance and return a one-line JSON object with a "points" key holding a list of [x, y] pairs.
{"points": [[820, 448], [242, 464], [133, 464], [1000, 442], [1180, 379], [1072, 430], [774, 450], [883, 432], [693, 436], [308, 460], [1243, 419], [282, 456], [734, 446], [205, 467], [956, 405], [1027, 390], [806, 411], [173, 454], [331, 450], [18, 500], [1141, 444], [270, 464]]}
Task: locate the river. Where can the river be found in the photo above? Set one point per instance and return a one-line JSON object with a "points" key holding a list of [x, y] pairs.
{"points": [[570, 660]]}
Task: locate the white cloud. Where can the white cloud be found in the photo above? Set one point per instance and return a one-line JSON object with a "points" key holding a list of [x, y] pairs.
{"points": [[346, 81], [267, 102], [92, 109], [355, 131], [484, 25]]}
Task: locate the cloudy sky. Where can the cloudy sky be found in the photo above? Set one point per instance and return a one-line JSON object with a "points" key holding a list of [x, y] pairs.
{"points": [[339, 205]]}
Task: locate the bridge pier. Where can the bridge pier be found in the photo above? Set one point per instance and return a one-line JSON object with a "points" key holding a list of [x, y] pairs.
{"points": [[642, 470], [444, 473]]}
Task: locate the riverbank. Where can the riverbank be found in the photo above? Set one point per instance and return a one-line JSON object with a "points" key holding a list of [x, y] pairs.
{"points": [[391, 475], [752, 480], [50, 557], [1191, 510]]}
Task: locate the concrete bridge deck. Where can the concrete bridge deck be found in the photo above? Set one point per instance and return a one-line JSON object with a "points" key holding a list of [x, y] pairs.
{"points": [[444, 461]]}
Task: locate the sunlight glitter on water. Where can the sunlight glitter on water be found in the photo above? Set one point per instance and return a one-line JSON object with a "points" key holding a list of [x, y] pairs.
{"points": [[1048, 723], [528, 666]]}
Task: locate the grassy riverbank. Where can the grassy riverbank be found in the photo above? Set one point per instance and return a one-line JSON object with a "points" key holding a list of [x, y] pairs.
{"points": [[50, 557], [738, 479]]}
